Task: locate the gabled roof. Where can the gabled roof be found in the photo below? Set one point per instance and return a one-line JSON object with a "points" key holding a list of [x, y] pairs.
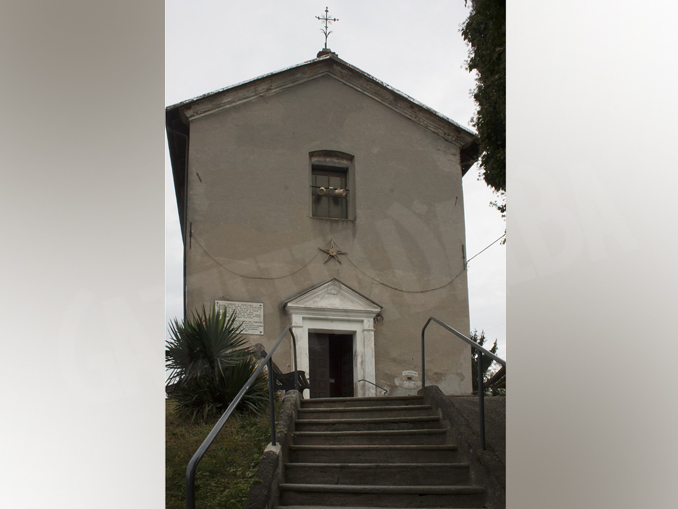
{"points": [[178, 116]]}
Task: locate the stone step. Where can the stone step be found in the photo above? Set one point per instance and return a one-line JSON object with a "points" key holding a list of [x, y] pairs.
{"points": [[364, 412], [343, 507], [361, 402], [374, 423], [380, 474], [373, 453], [371, 437], [382, 496]]}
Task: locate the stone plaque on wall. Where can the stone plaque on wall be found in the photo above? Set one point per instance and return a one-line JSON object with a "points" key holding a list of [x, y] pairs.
{"points": [[251, 314]]}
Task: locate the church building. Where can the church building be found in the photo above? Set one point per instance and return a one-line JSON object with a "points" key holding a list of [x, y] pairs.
{"points": [[322, 198]]}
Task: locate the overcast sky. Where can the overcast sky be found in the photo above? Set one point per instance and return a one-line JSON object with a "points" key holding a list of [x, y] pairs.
{"points": [[418, 50]]}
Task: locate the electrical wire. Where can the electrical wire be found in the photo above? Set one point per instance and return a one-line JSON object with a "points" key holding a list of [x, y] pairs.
{"points": [[352, 263], [485, 249], [400, 289], [251, 277]]}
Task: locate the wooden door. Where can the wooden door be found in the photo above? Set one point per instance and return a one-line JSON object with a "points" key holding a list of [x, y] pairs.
{"points": [[319, 365], [344, 352], [330, 359]]}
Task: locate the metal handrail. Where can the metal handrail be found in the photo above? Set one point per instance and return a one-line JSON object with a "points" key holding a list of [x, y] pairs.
{"points": [[193, 464], [363, 380], [481, 352]]}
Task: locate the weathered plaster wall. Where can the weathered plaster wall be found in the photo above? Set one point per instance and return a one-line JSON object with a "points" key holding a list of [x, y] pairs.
{"points": [[249, 210]]}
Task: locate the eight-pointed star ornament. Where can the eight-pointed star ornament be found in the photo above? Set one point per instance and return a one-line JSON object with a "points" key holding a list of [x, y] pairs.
{"points": [[333, 251]]}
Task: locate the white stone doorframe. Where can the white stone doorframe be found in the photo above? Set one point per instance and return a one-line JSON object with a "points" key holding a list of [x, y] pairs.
{"points": [[334, 308]]}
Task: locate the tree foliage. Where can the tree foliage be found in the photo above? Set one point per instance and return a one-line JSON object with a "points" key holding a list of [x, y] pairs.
{"points": [[209, 363], [487, 368], [485, 32]]}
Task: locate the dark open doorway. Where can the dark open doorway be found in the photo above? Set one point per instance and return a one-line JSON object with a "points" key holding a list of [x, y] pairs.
{"points": [[330, 358]]}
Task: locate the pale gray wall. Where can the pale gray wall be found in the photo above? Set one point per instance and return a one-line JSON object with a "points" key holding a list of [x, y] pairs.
{"points": [[251, 212]]}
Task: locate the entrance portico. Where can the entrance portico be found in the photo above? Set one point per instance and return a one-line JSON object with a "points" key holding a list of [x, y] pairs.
{"points": [[336, 310]]}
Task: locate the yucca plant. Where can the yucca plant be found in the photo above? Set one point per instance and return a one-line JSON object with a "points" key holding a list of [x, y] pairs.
{"points": [[209, 363]]}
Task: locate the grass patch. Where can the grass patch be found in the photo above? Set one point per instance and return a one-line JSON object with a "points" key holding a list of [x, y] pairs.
{"points": [[227, 470]]}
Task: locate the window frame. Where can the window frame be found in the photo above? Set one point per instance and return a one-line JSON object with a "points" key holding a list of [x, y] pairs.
{"points": [[327, 201], [339, 163]]}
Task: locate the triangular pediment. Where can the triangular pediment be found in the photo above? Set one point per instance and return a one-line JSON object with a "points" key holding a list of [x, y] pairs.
{"points": [[332, 295]]}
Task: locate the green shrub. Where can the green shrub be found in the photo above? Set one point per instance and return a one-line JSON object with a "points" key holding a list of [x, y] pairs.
{"points": [[209, 363]]}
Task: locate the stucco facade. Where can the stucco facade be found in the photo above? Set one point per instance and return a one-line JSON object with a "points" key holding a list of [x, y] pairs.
{"points": [[243, 159]]}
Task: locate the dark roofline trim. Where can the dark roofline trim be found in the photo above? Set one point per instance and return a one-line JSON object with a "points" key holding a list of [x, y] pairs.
{"points": [[202, 98], [236, 85]]}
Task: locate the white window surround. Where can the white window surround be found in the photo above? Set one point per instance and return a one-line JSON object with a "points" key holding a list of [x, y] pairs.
{"points": [[335, 308]]}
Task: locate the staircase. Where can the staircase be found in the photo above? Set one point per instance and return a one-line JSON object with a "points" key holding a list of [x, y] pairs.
{"points": [[374, 452]]}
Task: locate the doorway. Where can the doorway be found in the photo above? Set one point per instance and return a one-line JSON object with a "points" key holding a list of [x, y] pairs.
{"points": [[330, 359]]}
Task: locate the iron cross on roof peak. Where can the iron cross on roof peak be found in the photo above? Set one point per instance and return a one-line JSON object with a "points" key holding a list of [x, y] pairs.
{"points": [[327, 21]]}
